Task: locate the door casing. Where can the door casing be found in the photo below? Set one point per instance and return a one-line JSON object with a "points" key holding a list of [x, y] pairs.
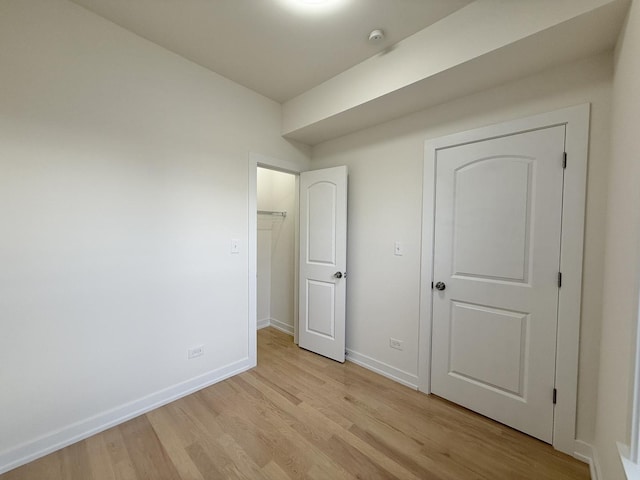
{"points": [[576, 120]]}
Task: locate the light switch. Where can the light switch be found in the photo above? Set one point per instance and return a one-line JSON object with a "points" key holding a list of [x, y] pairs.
{"points": [[235, 245], [398, 249]]}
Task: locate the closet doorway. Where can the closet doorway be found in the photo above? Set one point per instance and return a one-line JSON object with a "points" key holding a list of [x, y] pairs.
{"points": [[276, 202], [276, 212]]}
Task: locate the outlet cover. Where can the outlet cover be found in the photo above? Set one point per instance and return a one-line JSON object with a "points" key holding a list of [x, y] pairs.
{"points": [[395, 343], [195, 352]]}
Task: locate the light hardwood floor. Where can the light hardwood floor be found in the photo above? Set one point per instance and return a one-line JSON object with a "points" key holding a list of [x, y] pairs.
{"points": [[299, 415]]}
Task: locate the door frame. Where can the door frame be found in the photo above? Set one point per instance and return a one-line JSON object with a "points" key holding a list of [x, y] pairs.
{"points": [[576, 120], [258, 160]]}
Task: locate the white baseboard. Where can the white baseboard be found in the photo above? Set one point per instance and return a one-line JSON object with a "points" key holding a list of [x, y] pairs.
{"points": [[283, 327], [48, 443], [586, 453], [277, 324], [400, 376]]}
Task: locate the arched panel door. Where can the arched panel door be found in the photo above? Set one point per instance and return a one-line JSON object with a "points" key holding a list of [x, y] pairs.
{"points": [[323, 261], [496, 262]]}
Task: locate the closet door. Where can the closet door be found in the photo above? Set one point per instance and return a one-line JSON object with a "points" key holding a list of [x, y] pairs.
{"points": [[323, 261], [496, 261]]}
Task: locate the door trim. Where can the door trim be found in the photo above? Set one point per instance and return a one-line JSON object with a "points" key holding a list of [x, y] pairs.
{"points": [[258, 160], [576, 120]]}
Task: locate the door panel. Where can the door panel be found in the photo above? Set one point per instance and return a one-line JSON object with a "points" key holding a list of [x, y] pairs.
{"points": [[497, 250], [321, 308], [323, 260], [321, 197], [492, 195], [488, 346]]}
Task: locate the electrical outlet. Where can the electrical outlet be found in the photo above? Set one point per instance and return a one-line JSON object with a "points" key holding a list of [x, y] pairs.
{"points": [[395, 343], [195, 352], [398, 249]]}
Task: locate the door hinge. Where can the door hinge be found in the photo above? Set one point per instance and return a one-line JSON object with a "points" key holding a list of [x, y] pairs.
{"points": [[564, 160], [431, 285], [559, 279], [555, 396]]}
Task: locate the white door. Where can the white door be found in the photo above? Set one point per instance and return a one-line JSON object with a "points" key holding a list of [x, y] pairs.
{"points": [[496, 261], [323, 261]]}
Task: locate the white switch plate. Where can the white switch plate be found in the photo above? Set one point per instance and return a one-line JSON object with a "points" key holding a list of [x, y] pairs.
{"points": [[235, 245], [398, 249]]}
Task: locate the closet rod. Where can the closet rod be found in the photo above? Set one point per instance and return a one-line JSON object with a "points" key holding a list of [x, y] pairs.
{"points": [[270, 212]]}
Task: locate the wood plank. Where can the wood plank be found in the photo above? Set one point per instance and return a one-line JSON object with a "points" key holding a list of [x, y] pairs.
{"points": [[118, 455], [98, 453], [75, 462], [171, 433], [150, 460]]}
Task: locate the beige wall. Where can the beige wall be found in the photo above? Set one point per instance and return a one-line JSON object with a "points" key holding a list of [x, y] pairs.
{"points": [[620, 302], [124, 179], [385, 199]]}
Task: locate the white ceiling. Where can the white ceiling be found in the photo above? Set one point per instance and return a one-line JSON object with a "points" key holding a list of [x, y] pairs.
{"points": [[273, 46]]}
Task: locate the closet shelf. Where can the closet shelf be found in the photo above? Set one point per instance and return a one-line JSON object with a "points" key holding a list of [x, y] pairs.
{"points": [[272, 213]]}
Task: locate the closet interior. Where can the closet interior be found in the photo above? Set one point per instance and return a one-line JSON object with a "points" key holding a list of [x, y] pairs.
{"points": [[276, 204]]}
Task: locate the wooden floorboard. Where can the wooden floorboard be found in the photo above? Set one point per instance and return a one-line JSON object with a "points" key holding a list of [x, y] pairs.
{"points": [[300, 416]]}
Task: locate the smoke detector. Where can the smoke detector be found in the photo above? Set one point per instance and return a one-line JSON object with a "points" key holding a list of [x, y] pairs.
{"points": [[376, 35]]}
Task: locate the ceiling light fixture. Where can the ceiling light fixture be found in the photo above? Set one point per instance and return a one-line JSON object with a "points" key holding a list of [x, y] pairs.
{"points": [[314, 6]]}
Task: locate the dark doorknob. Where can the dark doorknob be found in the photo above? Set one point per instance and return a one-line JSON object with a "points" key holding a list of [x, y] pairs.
{"points": [[440, 286], [338, 274]]}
